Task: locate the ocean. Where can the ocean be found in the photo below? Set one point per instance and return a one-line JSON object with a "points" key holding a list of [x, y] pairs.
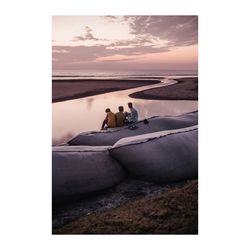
{"points": [[57, 74]]}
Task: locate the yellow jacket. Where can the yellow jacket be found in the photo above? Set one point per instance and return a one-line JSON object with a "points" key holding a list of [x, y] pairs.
{"points": [[110, 119]]}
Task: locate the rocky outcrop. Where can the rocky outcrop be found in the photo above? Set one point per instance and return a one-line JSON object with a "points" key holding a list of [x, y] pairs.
{"points": [[155, 124], [165, 150], [164, 156], [82, 170]]}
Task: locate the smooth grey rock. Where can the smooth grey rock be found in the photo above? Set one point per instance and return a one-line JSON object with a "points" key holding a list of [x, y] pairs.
{"points": [[111, 136], [82, 170], [168, 157]]}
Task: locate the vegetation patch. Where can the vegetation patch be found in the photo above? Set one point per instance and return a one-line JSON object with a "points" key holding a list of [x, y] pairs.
{"points": [[172, 212]]}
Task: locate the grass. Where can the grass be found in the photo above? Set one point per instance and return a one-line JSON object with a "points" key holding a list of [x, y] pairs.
{"points": [[172, 212]]}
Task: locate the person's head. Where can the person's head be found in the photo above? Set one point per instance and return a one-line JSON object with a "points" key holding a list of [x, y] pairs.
{"points": [[120, 108], [107, 110], [130, 105]]}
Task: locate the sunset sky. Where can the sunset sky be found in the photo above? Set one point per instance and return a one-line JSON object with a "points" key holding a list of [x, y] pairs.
{"points": [[125, 42]]}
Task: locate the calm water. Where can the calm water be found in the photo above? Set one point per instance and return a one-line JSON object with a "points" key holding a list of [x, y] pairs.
{"points": [[86, 114], [120, 73]]}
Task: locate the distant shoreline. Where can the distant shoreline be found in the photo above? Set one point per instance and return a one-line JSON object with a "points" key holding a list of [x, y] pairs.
{"points": [[184, 89], [63, 90]]}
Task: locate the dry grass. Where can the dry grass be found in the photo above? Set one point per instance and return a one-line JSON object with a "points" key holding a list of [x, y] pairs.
{"points": [[173, 212]]}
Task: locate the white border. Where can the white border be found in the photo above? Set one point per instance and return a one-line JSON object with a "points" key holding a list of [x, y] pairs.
{"points": [[26, 124]]}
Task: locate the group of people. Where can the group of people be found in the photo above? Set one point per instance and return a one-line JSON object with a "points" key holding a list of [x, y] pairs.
{"points": [[120, 118]]}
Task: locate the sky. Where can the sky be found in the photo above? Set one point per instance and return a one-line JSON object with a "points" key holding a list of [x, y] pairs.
{"points": [[124, 42]]}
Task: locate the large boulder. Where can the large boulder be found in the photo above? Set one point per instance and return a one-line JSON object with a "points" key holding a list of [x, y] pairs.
{"points": [[81, 170], [164, 156], [155, 124]]}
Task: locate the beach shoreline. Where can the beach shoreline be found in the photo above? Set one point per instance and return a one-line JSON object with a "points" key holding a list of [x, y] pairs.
{"points": [[184, 89], [63, 90]]}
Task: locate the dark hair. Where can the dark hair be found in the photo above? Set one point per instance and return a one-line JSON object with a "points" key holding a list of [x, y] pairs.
{"points": [[120, 108], [130, 104], [107, 110]]}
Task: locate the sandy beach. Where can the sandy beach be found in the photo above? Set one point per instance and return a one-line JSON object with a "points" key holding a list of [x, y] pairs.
{"points": [[184, 89], [63, 90]]}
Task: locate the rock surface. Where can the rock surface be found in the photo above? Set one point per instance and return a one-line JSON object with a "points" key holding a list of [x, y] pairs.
{"points": [[166, 158], [79, 171], [110, 137]]}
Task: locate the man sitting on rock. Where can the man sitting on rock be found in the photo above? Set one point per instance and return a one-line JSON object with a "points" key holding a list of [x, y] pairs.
{"points": [[131, 117], [120, 117], [109, 121]]}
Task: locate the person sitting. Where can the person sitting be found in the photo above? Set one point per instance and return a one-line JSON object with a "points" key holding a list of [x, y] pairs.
{"points": [[109, 121], [120, 117], [131, 117]]}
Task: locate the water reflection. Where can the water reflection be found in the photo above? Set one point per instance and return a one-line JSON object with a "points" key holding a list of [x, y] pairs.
{"points": [[86, 114], [89, 102]]}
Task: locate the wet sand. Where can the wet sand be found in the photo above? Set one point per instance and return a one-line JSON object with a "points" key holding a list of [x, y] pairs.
{"points": [[63, 90], [184, 89]]}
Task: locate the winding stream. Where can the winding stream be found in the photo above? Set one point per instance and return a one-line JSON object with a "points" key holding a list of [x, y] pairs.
{"points": [[72, 117]]}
